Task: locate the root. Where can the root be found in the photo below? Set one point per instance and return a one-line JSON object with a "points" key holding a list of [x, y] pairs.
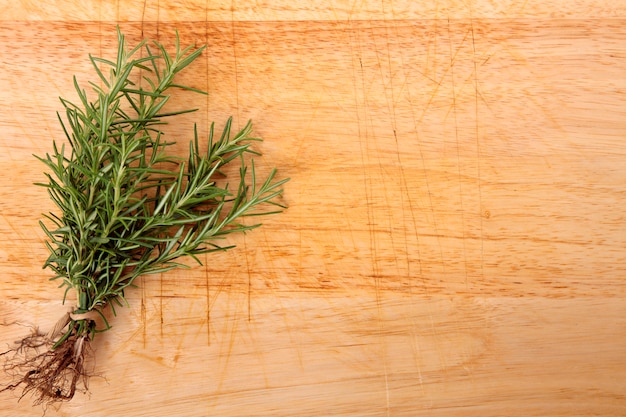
{"points": [[49, 374]]}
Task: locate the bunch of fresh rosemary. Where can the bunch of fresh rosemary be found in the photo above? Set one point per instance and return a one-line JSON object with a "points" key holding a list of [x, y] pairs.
{"points": [[127, 207]]}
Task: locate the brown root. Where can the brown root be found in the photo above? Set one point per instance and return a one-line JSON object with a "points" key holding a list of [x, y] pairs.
{"points": [[50, 374]]}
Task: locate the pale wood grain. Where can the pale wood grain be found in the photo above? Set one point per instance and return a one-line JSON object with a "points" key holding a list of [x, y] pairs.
{"points": [[352, 354], [455, 241], [286, 10]]}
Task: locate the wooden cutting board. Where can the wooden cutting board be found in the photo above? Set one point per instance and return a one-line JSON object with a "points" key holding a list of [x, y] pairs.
{"points": [[455, 243]]}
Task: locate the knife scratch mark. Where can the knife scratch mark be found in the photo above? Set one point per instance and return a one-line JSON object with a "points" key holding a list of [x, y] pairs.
{"points": [[453, 59], [352, 11], [236, 72], [231, 324], [143, 314], [390, 99], [236, 75], [363, 134], [362, 114], [281, 307], [417, 121], [161, 320], [249, 276], [143, 16], [458, 149], [404, 187], [391, 107], [207, 280], [477, 133]]}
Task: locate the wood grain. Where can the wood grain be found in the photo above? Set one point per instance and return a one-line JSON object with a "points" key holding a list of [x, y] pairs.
{"points": [[455, 243]]}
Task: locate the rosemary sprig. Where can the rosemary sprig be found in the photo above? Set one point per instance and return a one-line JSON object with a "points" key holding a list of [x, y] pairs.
{"points": [[127, 207]]}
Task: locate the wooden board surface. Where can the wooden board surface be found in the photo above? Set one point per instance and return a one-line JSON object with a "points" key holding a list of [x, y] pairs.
{"points": [[455, 243]]}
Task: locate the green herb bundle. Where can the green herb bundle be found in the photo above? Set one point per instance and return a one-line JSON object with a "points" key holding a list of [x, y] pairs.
{"points": [[128, 207]]}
